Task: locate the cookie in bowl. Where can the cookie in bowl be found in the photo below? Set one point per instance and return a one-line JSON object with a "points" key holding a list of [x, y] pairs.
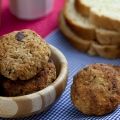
{"points": [[18, 88], [96, 89], [29, 87], [22, 54]]}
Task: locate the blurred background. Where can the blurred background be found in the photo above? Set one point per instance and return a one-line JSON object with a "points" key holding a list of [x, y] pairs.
{"points": [[43, 25]]}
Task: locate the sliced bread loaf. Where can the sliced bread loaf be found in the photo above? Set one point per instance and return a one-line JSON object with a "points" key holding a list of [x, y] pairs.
{"points": [[90, 47], [75, 40], [82, 26]]}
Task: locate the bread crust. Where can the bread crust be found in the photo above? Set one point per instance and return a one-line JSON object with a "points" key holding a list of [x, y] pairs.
{"points": [[103, 36], [76, 41], [90, 47], [107, 37], [105, 22], [106, 51], [107, 42], [95, 89], [81, 8], [101, 21], [85, 32]]}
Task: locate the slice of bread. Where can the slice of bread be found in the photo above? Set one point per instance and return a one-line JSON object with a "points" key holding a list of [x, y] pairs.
{"points": [[75, 40], [106, 51], [84, 6], [107, 37], [77, 29], [82, 26], [103, 13], [90, 47], [106, 17]]}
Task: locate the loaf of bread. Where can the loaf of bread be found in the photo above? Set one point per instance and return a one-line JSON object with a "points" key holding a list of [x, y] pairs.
{"points": [[91, 47], [77, 24], [85, 29]]}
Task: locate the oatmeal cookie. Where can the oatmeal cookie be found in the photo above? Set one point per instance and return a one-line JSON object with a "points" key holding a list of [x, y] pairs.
{"points": [[44, 78], [96, 89], [22, 54]]}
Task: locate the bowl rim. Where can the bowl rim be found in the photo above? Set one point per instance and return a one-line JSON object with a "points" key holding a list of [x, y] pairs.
{"points": [[62, 74]]}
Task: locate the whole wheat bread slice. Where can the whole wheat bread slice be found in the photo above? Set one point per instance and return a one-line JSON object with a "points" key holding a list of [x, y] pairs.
{"points": [[75, 40]]}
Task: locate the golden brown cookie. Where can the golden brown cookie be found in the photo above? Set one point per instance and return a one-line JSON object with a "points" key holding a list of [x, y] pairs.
{"points": [[96, 89], [44, 78], [22, 54]]}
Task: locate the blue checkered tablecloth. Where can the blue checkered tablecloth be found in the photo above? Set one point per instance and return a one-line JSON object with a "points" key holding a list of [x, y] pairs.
{"points": [[63, 109]]}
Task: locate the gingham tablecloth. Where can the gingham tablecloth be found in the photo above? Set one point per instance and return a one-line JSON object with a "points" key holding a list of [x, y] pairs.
{"points": [[63, 109]]}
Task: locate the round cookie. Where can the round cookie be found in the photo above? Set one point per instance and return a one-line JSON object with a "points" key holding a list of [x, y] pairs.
{"points": [[43, 79], [22, 54], [96, 89]]}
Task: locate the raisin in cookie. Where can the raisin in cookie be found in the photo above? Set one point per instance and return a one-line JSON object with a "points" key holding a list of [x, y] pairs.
{"points": [[22, 54], [96, 89]]}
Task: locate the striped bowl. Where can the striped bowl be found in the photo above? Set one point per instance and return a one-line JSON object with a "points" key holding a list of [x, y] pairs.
{"points": [[21, 106]]}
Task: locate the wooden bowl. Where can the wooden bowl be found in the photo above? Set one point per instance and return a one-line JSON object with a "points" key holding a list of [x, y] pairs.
{"points": [[21, 106]]}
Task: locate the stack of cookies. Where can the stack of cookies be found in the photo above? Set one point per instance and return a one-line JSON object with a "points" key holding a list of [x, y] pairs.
{"points": [[92, 26], [25, 63]]}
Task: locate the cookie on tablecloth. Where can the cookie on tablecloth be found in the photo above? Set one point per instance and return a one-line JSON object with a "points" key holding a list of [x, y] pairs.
{"points": [[95, 89]]}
